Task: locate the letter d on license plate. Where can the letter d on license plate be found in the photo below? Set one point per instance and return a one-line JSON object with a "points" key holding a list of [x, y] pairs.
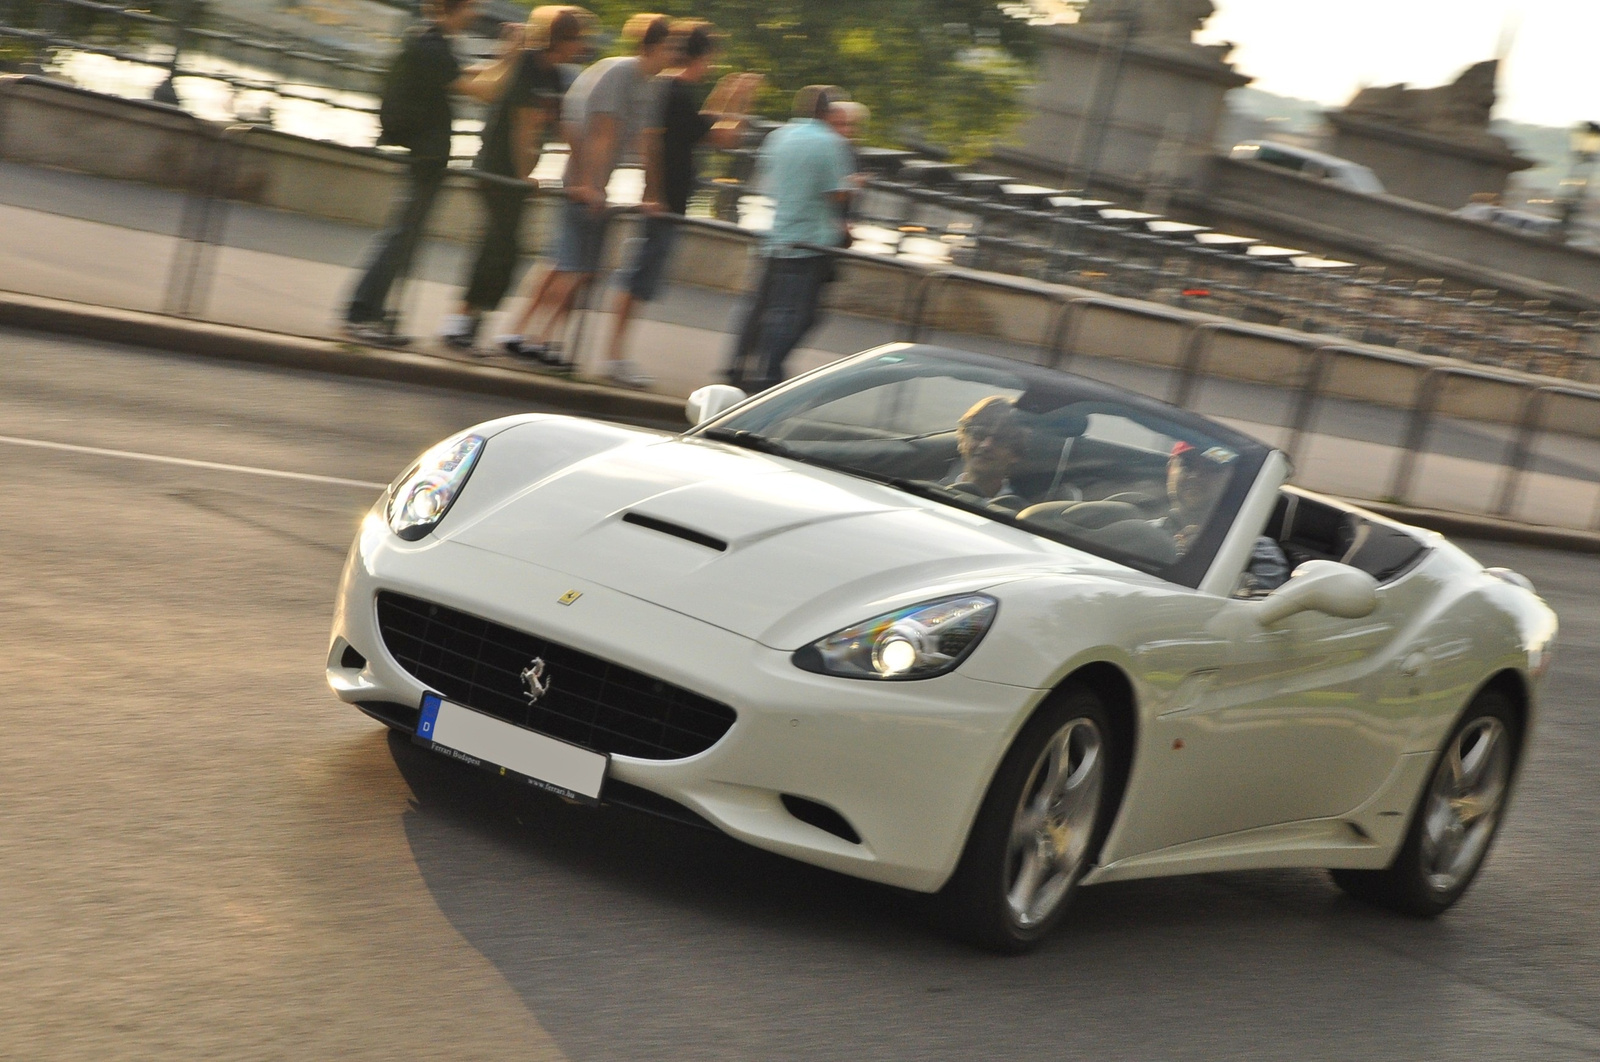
{"points": [[462, 734]]}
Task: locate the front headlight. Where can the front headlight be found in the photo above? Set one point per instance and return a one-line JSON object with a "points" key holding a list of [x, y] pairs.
{"points": [[912, 643], [420, 498]]}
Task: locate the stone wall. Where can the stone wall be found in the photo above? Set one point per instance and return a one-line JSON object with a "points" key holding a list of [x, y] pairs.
{"points": [[50, 123]]}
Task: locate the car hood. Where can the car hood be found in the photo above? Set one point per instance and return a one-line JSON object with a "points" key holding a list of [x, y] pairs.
{"points": [[768, 548]]}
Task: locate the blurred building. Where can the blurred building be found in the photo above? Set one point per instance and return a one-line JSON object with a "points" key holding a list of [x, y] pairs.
{"points": [[1125, 97]]}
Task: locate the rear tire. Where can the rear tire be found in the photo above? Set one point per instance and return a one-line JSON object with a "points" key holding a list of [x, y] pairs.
{"points": [[1041, 823], [1455, 820]]}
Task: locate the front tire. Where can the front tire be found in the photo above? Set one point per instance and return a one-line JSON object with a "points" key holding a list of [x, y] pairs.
{"points": [[1456, 818], [1042, 821]]}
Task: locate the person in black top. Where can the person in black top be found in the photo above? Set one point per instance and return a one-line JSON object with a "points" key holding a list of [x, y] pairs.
{"points": [[670, 172], [416, 115], [514, 132]]}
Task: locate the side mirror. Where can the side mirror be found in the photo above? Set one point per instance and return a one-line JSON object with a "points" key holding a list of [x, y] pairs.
{"points": [[710, 400], [1321, 586]]}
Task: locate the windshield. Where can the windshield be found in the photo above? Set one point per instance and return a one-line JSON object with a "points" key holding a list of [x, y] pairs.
{"points": [[1064, 457]]}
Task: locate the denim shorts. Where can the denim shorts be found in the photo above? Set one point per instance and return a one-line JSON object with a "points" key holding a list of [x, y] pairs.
{"points": [[578, 248], [647, 258]]}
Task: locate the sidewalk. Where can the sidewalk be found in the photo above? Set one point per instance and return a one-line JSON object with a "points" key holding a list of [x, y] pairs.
{"points": [[281, 279]]}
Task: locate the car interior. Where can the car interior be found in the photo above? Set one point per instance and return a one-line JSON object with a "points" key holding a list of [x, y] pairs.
{"points": [[1307, 529], [1089, 476], [1060, 463], [1073, 476]]}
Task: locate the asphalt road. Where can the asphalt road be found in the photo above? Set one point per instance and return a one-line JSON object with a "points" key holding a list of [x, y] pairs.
{"points": [[203, 854]]}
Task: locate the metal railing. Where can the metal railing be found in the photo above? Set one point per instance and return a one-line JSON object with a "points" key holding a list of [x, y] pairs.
{"points": [[998, 224]]}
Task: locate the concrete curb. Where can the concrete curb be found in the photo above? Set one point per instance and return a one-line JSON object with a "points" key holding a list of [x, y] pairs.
{"points": [[230, 343]]}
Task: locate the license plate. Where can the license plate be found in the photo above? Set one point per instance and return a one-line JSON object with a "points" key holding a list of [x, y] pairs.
{"points": [[544, 762]]}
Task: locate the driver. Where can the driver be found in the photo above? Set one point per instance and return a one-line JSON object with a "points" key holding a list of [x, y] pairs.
{"points": [[991, 438]]}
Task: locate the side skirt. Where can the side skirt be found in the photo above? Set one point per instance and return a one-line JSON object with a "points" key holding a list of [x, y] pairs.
{"points": [[1363, 839]]}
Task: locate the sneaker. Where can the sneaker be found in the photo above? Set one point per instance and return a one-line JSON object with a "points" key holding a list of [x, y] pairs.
{"points": [[625, 373], [555, 365], [373, 334], [550, 354], [391, 324], [518, 347], [459, 330]]}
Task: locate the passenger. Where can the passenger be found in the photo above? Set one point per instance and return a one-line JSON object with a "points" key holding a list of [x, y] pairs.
{"points": [[1267, 570], [991, 439], [1195, 482]]}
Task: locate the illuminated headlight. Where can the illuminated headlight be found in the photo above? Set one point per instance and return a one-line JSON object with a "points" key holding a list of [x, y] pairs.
{"points": [[420, 498], [912, 643]]}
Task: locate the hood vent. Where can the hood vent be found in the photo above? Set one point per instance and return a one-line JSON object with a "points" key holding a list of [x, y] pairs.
{"points": [[666, 527]]}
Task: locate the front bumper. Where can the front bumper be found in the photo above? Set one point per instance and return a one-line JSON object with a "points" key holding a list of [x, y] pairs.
{"points": [[906, 763]]}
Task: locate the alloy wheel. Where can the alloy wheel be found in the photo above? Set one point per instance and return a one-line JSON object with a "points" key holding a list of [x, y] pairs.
{"points": [[1464, 803], [1054, 822]]}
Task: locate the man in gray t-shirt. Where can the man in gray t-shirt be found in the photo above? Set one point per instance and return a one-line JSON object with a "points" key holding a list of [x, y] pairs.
{"points": [[605, 112], [604, 116]]}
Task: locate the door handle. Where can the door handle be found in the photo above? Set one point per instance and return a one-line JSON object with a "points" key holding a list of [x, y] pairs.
{"points": [[1413, 664]]}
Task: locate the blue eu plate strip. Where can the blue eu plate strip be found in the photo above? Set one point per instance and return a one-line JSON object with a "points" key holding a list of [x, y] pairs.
{"points": [[430, 716]]}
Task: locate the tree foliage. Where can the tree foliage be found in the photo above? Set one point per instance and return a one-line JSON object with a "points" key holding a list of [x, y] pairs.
{"points": [[946, 74]]}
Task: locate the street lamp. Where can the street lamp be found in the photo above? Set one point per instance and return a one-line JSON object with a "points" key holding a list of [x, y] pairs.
{"points": [[1584, 142]]}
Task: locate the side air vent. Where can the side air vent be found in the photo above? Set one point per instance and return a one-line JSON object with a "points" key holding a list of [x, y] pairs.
{"points": [[821, 816], [352, 659], [688, 534]]}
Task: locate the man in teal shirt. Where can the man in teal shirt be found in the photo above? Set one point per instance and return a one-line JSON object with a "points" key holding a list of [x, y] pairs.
{"points": [[805, 168]]}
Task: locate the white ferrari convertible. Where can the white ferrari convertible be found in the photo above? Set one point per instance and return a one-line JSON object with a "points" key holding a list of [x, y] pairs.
{"points": [[957, 624]]}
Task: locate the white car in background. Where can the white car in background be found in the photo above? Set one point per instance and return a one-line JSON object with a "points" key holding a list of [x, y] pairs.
{"points": [[1524, 221], [1314, 164], [957, 624]]}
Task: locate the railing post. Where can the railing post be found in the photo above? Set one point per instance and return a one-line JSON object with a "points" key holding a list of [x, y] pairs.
{"points": [[199, 224], [1061, 307], [1305, 406], [919, 304], [1417, 432], [1068, 328], [1193, 356], [1517, 456]]}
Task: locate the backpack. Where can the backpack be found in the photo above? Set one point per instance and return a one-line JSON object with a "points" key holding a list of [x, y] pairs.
{"points": [[401, 109]]}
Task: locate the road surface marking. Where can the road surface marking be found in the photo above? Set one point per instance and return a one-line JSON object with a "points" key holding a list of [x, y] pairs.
{"points": [[160, 459]]}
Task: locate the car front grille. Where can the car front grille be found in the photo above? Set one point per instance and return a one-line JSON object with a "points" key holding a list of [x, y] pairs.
{"points": [[590, 702]]}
